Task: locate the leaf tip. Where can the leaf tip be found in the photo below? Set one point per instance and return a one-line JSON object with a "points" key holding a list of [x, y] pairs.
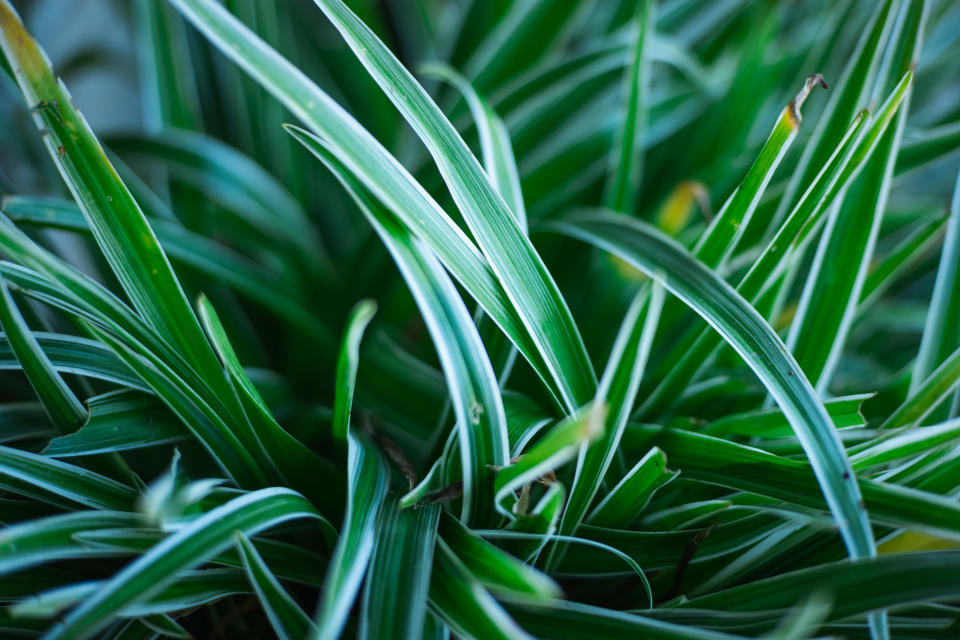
{"points": [[793, 108]]}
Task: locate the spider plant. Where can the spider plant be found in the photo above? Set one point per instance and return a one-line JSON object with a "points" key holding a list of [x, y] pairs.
{"points": [[486, 319]]}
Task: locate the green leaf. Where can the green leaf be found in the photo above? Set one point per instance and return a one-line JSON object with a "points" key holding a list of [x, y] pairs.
{"points": [[286, 617], [79, 356], [118, 224], [941, 332], [189, 547], [573, 620], [853, 150], [220, 440], [709, 459], [191, 590], [398, 581], [561, 444], [827, 306], [524, 277], [495, 569], [283, 455], [853, 89], [627, 499], [928, 146], [368, 476], [119, 421], [464, 605], [170, 92], [69, 481], [23, 421], [473, 386], [909, 442], [539, 524], [760, 347], [626, 158], [65, 411], [498, 158], [210, 258], [771, 423], [857, 587], [924, 399], [721, 237], [244, 188], [347, 364], [618, 388], [901, 258], [42, 540], [373, 166]]}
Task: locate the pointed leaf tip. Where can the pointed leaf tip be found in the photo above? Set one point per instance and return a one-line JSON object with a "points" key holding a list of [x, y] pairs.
{"points": [[793, 108]]}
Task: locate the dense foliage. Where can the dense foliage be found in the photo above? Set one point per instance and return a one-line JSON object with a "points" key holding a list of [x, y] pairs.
{"points": [[486, 319]]}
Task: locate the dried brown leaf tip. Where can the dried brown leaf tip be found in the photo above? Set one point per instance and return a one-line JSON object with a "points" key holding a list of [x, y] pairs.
{"points": [[793, 109]]}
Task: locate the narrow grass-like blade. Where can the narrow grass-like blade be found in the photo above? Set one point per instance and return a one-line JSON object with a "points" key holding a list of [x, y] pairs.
{"points": [[626, 158], [38, 541], [853, 150], [225, 175], [553, 449], [475, 393], [75, 355], [529, 286], [213, 259], [720, 238], [708, 459], [373, 166], [398, 581], [827, 306], [756, 342], [941, 332], [857, 587], [463, 603], [937, 387], [618, 389], [286, 617], [119, 421], [495, 146], [69, 481], [850, 95], [910, 442], [566, 620], [189, 547], [118, 224], [929, 146], [495, 569], [347, 364], [222, 442], [169, 91], [367, 488], [902, 258], [771, 423], [61, 404], [284, 456], [627, 499]]}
